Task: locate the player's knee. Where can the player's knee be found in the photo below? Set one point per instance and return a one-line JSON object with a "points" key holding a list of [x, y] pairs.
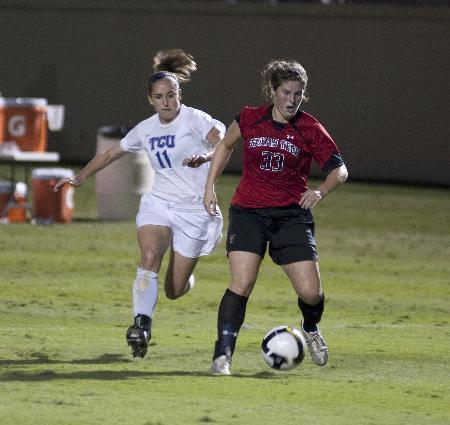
{"points": [[312, 295], [173, 293], [150, 260], [242, 286]]}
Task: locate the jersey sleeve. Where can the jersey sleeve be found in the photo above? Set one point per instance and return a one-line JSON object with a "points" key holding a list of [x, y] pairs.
{"points": [[324, 149], [202, 123], [242, 119], [220, 126], [132, 142]]}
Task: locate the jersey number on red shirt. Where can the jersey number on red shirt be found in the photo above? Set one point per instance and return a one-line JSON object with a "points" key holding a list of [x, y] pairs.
{"points": [[272, 161]]}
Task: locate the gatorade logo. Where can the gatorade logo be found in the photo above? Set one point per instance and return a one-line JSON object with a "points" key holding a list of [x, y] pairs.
{"points": [[69, 198], [16, 126]]}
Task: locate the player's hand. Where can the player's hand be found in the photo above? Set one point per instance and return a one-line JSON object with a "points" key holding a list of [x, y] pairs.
{"points": [[195, 161], [210, 201], [310, 199], [73, 181]]}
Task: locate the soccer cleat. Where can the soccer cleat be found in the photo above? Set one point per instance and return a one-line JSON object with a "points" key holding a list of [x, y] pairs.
{"points": [[139, 334], [221, 365], [316, 345]]}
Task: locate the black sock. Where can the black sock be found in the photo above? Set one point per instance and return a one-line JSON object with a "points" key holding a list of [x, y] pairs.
{"points": [[229, 321], [311, 313]]}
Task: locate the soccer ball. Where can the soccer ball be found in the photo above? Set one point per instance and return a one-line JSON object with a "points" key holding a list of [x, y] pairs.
{"points": [[283, 348]]}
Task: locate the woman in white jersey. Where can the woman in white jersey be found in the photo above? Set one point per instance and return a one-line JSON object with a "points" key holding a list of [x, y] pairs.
{"points": [[179, 141]]}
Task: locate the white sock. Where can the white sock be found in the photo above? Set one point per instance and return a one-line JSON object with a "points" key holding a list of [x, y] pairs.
{"points": [[145, 292]]}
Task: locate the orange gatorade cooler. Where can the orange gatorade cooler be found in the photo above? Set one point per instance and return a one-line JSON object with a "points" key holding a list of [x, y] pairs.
{"points": [[24, 121], [13, 202], [49, 206]]}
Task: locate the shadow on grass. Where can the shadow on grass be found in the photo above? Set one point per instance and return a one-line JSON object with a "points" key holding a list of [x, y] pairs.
{"points": [[42, 359], [107, 375], [101, 375], [99, 220], [85, 220]]}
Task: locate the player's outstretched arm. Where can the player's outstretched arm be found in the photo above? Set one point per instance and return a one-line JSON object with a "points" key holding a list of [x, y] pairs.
{"points": [[100, 161]]}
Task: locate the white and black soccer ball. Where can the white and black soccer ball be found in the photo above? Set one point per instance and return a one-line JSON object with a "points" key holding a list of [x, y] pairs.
{"points": [[283, 348]]}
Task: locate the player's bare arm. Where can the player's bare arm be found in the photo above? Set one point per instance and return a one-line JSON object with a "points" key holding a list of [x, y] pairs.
{"points": [[220, 159], [100, 161], [312, 197]]}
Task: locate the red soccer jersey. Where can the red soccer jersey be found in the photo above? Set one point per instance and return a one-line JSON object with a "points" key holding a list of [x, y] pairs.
{"points": [[277, 157]]}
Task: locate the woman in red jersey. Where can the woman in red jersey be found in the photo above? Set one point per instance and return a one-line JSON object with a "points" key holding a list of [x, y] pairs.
{"points": [[272, 204]]}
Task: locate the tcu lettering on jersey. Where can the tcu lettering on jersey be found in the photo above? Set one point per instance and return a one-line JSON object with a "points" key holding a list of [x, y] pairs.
{"points": [[167, 141], [161, 144]]}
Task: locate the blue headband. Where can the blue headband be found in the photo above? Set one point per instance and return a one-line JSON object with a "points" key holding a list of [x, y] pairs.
{"points": [[160, 75]]}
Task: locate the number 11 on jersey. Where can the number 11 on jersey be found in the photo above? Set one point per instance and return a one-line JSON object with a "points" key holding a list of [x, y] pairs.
{"points": [[163, 159]]}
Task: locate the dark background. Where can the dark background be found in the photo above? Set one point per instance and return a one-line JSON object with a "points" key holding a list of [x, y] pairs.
{"points": [[378, 75]]}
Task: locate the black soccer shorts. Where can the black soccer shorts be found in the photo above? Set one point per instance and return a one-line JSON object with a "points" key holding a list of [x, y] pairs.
{"points": [[289, 230]]}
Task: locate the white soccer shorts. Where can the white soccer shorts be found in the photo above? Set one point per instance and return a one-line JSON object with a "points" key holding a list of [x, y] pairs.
{"points": [[195, 232]]}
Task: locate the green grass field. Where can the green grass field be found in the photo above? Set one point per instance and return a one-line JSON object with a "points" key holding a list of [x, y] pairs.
{"points": [[66, 303]]}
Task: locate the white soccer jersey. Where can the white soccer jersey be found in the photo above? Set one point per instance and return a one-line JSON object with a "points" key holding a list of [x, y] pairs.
{"points": [[167, 145]]}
